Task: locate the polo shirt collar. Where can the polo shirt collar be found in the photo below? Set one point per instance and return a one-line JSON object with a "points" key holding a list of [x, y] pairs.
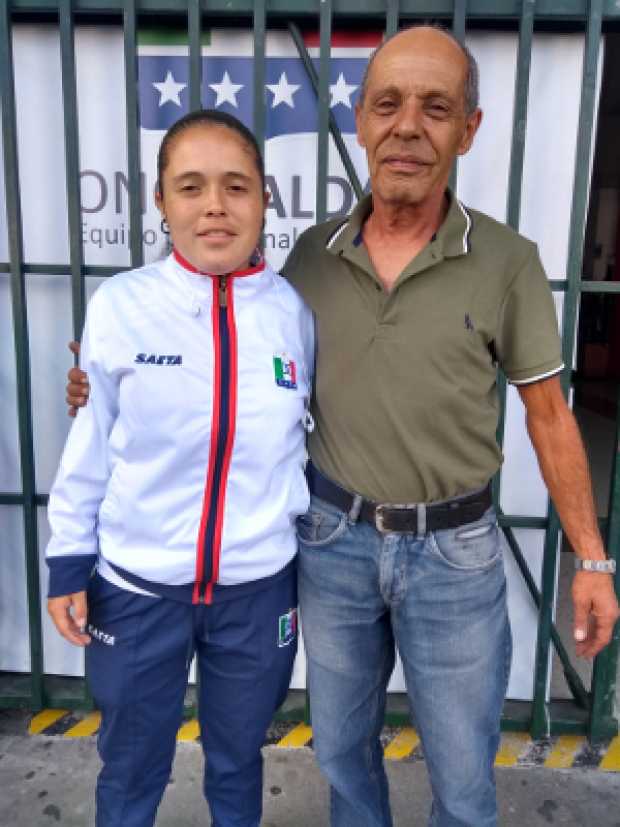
{"points": [[451, 240]]}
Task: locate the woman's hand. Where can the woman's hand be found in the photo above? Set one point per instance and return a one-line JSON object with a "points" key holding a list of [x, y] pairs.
{"points": [[69, 615], [77, 386]]}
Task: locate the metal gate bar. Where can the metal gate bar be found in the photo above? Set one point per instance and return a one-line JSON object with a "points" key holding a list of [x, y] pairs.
{"points": [[194, 36], [133, 132], [515, 177], [541, 725], [260, 23], [72, 163], [20, 334], [602, 720], [325, 23]]}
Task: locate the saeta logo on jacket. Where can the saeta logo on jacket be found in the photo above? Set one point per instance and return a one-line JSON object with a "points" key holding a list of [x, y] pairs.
{"points": [[156, 359]]}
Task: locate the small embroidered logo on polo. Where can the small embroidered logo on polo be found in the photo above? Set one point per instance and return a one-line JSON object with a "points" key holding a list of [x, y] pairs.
{"points": [[287, 628], [101, 636], [285, 371], [469, 325], [158, 359]]}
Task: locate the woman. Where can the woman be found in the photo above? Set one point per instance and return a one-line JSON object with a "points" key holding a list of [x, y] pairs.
{"points": [[180, 484]]}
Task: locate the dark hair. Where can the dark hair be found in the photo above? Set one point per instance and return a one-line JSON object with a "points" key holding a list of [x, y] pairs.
{"points": [[207, 117], [472, 83]]}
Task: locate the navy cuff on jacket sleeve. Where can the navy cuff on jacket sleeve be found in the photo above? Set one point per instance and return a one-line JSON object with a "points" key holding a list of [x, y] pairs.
{"points": [[69, 574]]}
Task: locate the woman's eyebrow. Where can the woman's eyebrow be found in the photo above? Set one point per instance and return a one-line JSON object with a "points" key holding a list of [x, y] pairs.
{"points": [[190, 173]]}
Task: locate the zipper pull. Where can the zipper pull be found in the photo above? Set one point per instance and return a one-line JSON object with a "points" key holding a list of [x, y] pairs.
{"points": [[222, 291]]}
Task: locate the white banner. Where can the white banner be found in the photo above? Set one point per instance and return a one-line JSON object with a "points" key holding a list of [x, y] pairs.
{"points": [[290, 154]]}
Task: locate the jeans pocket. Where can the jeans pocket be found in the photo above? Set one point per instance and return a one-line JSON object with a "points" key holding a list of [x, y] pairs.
{"points": [[320, 526], [471, 547]]}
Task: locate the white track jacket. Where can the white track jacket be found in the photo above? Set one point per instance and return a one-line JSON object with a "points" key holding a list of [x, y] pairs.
{"points": [[187, 465]]}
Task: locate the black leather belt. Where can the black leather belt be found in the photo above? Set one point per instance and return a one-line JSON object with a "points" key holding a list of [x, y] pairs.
{"points": [[406, 518]]}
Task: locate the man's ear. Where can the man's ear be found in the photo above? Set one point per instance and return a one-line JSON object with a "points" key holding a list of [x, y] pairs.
{"points": [[358, 124], [471, 127]]}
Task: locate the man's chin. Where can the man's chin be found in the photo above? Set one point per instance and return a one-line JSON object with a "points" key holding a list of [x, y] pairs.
{"points": [[409, 192], [402, 195]]}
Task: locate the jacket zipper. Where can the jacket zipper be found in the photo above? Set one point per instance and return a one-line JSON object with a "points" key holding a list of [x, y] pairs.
{"points": [[222, 438]]}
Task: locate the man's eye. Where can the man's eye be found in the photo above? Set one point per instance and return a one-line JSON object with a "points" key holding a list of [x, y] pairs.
{"points": [[385, 106], [437, 109], [189, 188], [237, 188]]}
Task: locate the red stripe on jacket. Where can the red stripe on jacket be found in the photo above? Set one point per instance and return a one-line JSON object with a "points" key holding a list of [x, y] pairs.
{"points": [[230, 439], [215, 427]]}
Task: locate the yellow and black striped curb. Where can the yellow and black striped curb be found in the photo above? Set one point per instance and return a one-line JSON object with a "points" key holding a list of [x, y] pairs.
{"points": [[516, 749]]}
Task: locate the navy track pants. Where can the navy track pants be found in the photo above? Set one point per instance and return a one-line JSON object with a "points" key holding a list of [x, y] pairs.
{"points": [[137, 666]]}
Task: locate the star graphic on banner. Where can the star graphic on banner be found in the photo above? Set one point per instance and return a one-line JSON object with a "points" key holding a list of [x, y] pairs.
{"points": [[169, 90], [226, 91], [283, 91], [341, 92]]}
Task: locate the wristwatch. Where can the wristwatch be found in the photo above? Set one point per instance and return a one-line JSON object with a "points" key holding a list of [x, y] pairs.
{"points": [[601, 566]]}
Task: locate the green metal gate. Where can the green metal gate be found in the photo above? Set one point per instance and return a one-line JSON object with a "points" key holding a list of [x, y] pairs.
{"points": [[591, 709]]}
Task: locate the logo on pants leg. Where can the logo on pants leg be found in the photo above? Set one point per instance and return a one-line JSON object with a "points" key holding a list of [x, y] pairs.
{"points": [[287, 627], [101, 636]]}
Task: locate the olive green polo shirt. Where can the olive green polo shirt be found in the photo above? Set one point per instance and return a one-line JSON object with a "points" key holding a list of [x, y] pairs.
{"points": [[405, 404]]}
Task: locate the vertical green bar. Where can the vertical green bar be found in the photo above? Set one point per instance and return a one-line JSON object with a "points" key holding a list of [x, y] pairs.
{"points": [[194, 27], [72, 175], [333, 126], [519, 121], [259, 72], [323, 104], [515, 177], [391, 17], [540, 716], [133, 132], [72, 162], [581, 182], [540, 726], [20, 330], [459, 18], [603, 725]]}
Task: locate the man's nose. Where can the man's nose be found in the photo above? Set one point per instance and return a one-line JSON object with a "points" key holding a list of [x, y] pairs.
{"points": [[408, 123]]}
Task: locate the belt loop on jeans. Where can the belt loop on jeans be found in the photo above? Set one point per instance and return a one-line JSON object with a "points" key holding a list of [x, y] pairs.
{"points": [[356, 507], [421, 513]]}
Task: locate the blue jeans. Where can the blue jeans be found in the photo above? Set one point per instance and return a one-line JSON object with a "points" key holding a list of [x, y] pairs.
{"points": [[441, 599]]}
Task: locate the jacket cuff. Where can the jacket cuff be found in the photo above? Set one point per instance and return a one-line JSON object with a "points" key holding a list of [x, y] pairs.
{"points": [[69, 574]]}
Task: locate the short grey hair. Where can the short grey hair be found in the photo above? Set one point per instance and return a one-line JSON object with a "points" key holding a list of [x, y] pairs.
{"points": [[472, 79]]}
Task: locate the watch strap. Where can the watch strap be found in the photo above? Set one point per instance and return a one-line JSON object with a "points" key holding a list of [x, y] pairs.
{"points": [[600, 566]]}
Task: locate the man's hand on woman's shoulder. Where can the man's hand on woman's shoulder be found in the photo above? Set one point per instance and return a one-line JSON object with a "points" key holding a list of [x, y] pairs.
{"points": [[77, 386]]}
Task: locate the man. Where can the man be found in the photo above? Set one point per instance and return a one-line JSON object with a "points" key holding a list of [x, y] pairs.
{"points": [[416, 300]]}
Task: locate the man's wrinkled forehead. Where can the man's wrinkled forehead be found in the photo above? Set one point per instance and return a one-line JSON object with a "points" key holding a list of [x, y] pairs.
{"points": [[420, 42]]}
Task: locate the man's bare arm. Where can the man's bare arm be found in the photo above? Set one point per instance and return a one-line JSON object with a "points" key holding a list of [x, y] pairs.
{"points": [[563, 463]]}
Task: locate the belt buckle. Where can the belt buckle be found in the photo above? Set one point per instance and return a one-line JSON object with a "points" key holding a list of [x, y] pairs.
{"points": [[380, 515], [379, 524]]}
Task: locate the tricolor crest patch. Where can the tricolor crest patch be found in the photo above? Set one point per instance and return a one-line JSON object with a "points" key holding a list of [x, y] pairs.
{"points": [[285, 371], [287, 627]]}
